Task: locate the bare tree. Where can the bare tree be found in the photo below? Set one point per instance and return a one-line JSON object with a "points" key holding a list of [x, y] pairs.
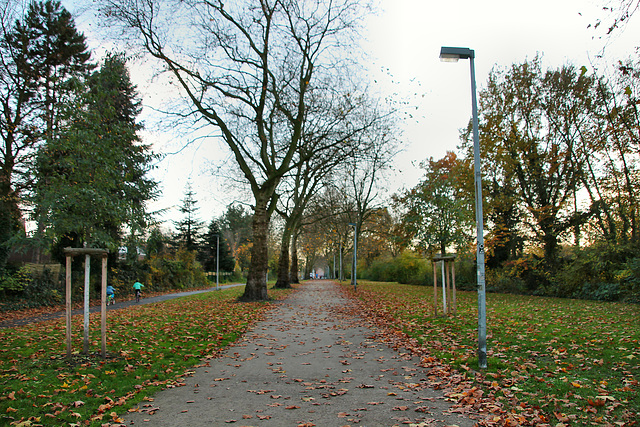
{"points": [[353, 196], [247, 69], [346, 119], [618, 12]]}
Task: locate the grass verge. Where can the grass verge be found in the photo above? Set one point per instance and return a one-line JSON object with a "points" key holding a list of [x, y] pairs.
{"points": [[149, 347], [566, 361]]}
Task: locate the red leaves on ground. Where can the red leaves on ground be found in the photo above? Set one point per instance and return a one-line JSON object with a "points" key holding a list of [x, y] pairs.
{"points": [[402, 312]]}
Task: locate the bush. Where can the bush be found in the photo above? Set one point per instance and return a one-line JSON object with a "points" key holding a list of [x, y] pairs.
{"points": [[175, 271], [413, 269], [466, 271], [630, 280], [602, 272], [13, 282], [599, 292], [503, 280], [29, 288], [408, 267]]}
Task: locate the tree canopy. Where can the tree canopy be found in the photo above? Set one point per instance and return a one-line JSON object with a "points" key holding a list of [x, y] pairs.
{"points": [[73, 197]]}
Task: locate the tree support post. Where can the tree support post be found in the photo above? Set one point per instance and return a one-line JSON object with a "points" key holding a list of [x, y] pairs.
{"points": [[87, 252], [68, 305], [448, 283], [87, 273], [435, 290]]}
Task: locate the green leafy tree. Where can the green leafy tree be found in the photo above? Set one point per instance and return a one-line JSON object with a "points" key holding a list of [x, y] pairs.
{"points": [[58, 51], [76, 199], [534, 123], [438, 212]]}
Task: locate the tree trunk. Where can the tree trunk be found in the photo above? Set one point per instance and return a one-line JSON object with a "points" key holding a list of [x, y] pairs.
{"points": [[9, 216], [549, 241], [283, 281], [256, 288], [293, 270]]}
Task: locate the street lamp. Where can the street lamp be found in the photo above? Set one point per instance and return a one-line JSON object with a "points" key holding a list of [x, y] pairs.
{"points": [[453, 54], [354, 273], [341, 261], [217, 261]]}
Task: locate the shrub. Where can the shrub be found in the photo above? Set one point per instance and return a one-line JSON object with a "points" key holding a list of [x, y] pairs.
{"points": [[29, 288], [179, 270], [630, 280], [601, 272], [408, 268], [12, 282]]}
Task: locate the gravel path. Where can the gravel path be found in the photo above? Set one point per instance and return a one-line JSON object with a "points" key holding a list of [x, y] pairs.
{"points": [[306, 364]]}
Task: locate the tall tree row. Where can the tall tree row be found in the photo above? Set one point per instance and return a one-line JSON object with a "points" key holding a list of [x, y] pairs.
{"points": [[70, 153], [249, 70], [41, 51], [560, 135]]}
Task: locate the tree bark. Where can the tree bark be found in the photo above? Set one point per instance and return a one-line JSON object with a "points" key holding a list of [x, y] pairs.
{"points": [[9, 216], [283, 281], [293, 269], [256, 288]]}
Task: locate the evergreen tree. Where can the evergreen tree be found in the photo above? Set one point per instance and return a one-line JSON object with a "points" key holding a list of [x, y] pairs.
{"points": [[40, 52], [76, 199], [156, 243], [58, 52], [188, 229], [209, 248]]}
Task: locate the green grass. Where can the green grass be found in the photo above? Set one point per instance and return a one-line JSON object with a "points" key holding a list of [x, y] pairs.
{"points": [[575, 361], [149, 347]]}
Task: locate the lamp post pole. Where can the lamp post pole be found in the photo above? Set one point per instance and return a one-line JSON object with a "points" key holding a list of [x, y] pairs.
{"points": [[217, 261], [452, 54], [354, 272], [340, 273]]}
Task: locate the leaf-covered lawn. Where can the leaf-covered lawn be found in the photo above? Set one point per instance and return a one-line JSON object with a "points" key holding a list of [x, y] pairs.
{"points": [[551, 361], [149, 347]]}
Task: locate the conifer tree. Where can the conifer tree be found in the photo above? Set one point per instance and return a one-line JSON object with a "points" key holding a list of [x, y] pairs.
{"points": [[210, 253], [188, 228], [78, 200], [39, 53]]}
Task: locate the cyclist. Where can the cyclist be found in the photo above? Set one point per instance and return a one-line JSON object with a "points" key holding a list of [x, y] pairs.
{"points": [[138, 289], [111, 299]]}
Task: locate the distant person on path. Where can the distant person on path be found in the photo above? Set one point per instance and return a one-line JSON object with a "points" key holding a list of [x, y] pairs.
{"points": [[111, 298], [137, 287]]}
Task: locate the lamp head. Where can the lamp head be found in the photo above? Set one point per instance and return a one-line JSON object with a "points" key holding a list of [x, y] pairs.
{"points": [[453, 54]]}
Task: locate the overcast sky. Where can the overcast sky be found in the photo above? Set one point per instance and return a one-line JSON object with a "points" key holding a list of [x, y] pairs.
{"points": [[403, 41]]}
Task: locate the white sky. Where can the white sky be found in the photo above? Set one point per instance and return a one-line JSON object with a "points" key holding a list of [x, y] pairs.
{"points": [[404, 41]]}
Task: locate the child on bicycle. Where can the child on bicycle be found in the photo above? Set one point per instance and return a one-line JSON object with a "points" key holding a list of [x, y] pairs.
{"points": [[137, 287], [111, 299]]}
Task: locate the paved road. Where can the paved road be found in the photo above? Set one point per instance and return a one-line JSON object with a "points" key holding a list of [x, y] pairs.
{"points": [[116, 306], [310, 363]]}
